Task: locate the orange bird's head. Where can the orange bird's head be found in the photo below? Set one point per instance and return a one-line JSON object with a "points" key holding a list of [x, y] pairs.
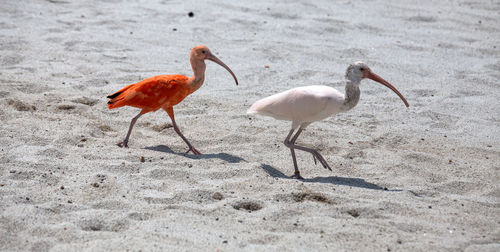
{"points": [[201, 52]]}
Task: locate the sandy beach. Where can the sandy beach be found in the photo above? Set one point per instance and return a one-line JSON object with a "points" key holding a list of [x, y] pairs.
{"points": [[423, 178]]}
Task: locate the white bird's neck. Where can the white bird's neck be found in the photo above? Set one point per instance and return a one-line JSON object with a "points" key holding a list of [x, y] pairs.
{"points": [[352, 93], [198, 74]]}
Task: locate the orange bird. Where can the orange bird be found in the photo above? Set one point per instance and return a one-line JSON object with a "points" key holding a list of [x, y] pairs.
{"points": [[165, 91]]}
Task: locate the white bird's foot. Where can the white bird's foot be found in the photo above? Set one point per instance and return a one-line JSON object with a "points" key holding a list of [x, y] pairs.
{"points": [[322, 160]]}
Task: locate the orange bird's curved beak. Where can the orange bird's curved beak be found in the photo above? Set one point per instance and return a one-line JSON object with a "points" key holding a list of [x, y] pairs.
{"points": [[370, 75], [218, 61]]}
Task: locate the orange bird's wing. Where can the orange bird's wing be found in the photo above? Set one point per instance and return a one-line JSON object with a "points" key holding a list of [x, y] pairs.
{"points": [[152, 93]]}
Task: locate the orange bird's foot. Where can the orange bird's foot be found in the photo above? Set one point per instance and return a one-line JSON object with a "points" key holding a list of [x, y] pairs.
{"points": [[123, 144], [194, 150], [296, 175]]}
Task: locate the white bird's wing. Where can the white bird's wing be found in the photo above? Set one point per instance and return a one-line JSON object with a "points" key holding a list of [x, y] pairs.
{"points": [[300, 105]]}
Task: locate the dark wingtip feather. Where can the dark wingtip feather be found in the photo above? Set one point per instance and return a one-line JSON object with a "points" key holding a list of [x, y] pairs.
{"points": [[114, 95]]}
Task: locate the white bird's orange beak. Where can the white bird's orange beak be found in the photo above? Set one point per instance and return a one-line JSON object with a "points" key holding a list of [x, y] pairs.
{"points": [[212, 57], [368, 74]]}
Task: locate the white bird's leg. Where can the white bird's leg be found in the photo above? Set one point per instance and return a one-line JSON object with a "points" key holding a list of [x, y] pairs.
{"points": [[170, 112], [125, 142], [314, 152], [316, 155], [288, 144], [295, 138]]}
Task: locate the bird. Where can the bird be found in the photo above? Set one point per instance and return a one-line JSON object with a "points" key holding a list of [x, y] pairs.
{"points": [[165, 91], [305, 105]]}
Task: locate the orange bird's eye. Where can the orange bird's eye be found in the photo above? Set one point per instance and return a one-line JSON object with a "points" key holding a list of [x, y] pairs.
{"points": [[203, 51]]}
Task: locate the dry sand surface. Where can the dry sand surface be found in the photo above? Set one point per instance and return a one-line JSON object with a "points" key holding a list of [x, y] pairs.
{"points": [[424, 178]]}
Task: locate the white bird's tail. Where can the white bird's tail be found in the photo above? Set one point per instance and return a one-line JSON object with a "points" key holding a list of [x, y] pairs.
{"points": [[261, 107], [251, 112], [257, 107]]}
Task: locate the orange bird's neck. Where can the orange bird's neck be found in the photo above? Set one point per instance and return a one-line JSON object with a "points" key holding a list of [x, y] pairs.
{"points": [[198, 77]]}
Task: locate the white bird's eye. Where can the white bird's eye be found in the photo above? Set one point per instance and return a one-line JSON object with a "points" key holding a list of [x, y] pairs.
{"points": [[362, 69]]}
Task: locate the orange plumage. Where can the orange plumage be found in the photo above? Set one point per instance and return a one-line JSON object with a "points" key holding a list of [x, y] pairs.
{"points": [[165, 91], [152, 93]]}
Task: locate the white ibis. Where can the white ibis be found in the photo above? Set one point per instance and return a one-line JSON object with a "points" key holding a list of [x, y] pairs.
{"points": [[305, 105]]}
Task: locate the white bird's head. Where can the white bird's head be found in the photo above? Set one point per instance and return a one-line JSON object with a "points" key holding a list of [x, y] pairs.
{"points": [[359, 70]]}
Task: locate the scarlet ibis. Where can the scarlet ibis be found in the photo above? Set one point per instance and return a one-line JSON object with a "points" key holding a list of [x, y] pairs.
{"points": [[305, 105], [165, 91]]}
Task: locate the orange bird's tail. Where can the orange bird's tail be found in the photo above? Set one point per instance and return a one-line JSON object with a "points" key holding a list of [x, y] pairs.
{"points": [[114, 99]]}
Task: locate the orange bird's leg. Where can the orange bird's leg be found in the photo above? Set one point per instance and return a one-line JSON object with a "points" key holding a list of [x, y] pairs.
{"points": [[170, 112], [125, 142]]}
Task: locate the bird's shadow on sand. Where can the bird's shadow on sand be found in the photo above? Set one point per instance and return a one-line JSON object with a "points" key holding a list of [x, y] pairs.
{"points": [[354, 182], [223, 156]]}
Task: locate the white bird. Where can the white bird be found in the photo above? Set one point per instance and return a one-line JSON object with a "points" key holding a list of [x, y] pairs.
{"points": [[305, 105]]}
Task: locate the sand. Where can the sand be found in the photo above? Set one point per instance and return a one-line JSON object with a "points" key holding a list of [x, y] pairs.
{"points": [[423, 179]]}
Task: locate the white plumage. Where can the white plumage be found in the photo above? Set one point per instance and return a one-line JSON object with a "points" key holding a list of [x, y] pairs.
{"points": [[302, 105]]}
